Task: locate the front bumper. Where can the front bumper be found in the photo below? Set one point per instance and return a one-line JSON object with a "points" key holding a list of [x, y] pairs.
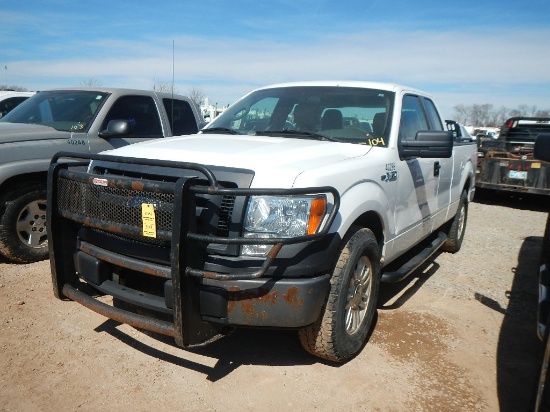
{"points": [[265, 302]]}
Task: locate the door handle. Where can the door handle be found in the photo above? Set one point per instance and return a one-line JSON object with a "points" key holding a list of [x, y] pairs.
{"points": [[437, 168]]}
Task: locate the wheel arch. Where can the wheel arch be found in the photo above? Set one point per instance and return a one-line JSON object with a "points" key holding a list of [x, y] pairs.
{"points": [[468, 180], [373, 221], [19, 182], [365, 205]]}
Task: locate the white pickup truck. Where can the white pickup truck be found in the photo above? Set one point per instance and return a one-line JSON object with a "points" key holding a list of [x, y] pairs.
{"points": [[287, 211]]}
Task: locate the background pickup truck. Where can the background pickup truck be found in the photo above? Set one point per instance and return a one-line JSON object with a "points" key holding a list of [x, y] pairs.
{"points": [[85, 120], [287, 211], [507, 164]]}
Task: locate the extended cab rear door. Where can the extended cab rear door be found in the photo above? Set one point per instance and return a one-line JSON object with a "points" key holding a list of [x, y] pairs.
{"points": [[418, 204], [446, 167]]}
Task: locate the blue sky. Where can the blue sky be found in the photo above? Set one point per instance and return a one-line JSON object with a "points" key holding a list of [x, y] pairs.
{"points": [[462, 52]]}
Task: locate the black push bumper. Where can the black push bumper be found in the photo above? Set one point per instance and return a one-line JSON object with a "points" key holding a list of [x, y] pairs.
{"points": [[179, 298]]}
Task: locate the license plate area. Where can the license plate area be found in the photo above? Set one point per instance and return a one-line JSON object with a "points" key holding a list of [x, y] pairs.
{"points": [[517, 174]]}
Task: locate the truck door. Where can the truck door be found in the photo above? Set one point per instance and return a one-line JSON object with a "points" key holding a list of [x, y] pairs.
{"points": [[417, 183], [143, 117], [445, 173]]}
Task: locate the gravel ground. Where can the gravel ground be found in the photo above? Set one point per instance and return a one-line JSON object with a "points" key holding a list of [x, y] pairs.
{"points": [[458, 335]]}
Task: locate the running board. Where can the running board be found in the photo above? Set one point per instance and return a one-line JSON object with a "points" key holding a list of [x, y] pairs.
{"points": [[410, 266]]}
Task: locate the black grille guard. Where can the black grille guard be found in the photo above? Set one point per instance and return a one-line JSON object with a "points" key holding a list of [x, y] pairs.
{"points": [[184, 239]]}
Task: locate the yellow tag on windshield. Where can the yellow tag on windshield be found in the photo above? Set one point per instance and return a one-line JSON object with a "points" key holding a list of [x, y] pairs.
{"points": [[148, 220]]}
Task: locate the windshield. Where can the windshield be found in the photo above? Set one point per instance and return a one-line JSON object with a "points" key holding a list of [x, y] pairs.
{"points": [[70, 111], [344, 114]]}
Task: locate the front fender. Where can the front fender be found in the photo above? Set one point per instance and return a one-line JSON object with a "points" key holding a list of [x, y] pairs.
{"points": [[13, 169], [363, 197], [33, 156]]}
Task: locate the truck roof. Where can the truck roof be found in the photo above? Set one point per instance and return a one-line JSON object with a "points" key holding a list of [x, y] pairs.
{"points": [[118, 91], [12, 93], [392, 87]]}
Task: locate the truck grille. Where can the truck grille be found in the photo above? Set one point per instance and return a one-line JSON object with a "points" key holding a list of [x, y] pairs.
{"points": [[120, 207]]}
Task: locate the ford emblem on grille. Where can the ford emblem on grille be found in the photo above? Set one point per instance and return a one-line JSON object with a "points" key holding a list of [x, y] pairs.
{"points": [[136, 202]]}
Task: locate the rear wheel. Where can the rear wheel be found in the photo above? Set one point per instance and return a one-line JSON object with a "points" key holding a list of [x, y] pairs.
{"points": [[342, 329], [23, 235], [457, 227]]}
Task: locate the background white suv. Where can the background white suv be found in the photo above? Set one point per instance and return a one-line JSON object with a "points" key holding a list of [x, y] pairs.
{"points": [[10, 99]]}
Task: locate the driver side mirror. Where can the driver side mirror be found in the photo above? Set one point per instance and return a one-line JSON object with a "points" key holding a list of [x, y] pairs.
{"points": [[116, 128], [428, 144]]}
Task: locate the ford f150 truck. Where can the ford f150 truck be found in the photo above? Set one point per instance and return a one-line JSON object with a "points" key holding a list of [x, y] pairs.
{"points": [[85, 120], [507, 163], [287, 211]]}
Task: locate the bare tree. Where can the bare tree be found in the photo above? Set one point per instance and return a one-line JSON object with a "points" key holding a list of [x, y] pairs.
{"points": [[485, 115], [462, 114], [498, 117], [13, 88], [91, 82], [162, 87], [197, 95]]}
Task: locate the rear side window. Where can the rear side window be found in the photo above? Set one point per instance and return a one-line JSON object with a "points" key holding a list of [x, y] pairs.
{"points": [[413, 118], [140, 112], [435, 120], [180, 116]]}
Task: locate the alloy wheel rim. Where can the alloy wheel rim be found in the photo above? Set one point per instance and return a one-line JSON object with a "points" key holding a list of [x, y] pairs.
{"points": [[31, 225], [358, 295]]}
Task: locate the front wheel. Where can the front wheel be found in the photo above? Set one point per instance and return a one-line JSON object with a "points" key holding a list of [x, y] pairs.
{"points": [[23, 235], [342, 329]]}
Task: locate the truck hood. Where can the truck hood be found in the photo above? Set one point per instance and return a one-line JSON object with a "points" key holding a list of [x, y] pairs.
{"points": [[21, 132], [276, 161]]}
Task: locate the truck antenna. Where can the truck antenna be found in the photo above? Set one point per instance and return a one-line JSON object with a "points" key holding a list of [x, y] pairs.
{"points": [[173, 75]]}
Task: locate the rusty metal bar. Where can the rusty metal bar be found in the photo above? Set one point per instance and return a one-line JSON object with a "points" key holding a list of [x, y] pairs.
{"points": [[273, 252], [145, 162], [127, 262], [119, 315]]}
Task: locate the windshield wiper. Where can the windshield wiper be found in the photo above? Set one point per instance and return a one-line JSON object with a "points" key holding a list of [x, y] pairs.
{"points": [[298, 134], [220, 130]]}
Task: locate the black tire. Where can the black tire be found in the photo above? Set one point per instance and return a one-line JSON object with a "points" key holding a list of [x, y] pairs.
{"points": [[545, 252], [343, 327], [542, 390], [457, 227], [23, 234]]}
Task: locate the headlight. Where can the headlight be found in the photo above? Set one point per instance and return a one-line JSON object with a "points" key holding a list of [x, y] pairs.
{"points": [[281, 216]]}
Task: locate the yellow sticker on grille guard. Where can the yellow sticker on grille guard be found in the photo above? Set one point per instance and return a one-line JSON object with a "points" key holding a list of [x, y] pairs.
{"points": [[148, 220]]}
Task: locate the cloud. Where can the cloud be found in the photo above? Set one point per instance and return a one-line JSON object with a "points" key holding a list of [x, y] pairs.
{"points": [[452, 63]]}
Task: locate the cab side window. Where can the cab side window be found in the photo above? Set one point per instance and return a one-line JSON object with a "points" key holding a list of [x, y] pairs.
{"points": [[140, 112], [413, 118], [180, 116]]}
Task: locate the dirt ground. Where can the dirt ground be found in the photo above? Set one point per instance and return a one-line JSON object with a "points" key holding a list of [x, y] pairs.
{"points": [[459, 335]]}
